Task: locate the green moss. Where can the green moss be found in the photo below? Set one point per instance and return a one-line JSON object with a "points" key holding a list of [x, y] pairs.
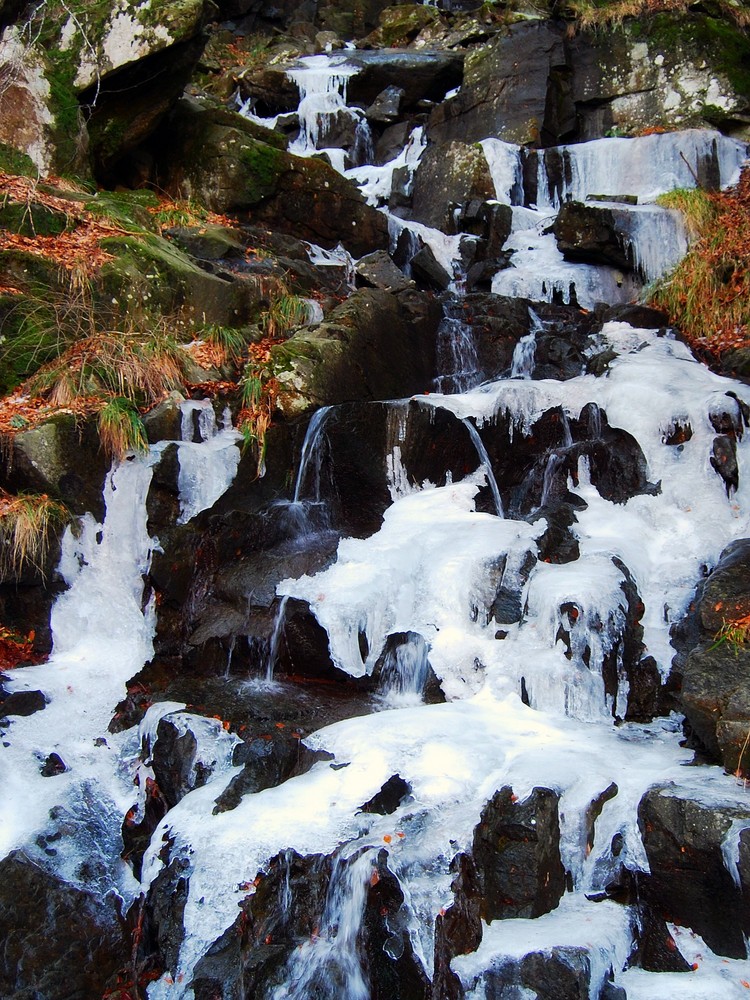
{"points": [[722, 44], [28, 338], [264, 165], [402, 23], [31, 220], [13, 161], [127, 208]]}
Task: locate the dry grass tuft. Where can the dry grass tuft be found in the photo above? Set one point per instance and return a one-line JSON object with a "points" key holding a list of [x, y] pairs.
{"points": [[708, 294], [26, 523]]}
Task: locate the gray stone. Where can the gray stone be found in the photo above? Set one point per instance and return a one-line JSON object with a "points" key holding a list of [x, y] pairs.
{"points": [[386, 107], [379, 271], [449, 175]]}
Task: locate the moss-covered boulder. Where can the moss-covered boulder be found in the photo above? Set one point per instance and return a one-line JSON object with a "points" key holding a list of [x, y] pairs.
{"points": [[62, 458], [715, 695], [125, 63], [401, 24], [231, 165], [376, 345]]}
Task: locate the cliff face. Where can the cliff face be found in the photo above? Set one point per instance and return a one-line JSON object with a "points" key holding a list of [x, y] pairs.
{"points": [[242, 247]]}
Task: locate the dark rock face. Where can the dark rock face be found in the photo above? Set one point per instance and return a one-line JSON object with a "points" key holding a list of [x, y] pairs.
{"points": [[58, 940], [267, 761], [689, 882], [63, 459], [535, 85], [591, 235], [563, 973], [449, 175], [21, 703], [504, 92], [516, 852], [379, 271], [715, 693], [376, 345], [287, 910]]}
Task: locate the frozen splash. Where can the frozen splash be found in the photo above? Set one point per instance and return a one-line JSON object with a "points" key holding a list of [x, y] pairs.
{"points": [[208, 457], [101, 636], [321, 81]]}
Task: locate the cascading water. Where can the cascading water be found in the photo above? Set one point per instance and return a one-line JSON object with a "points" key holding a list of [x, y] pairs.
{"points": [[529, 654], [297, 514]]}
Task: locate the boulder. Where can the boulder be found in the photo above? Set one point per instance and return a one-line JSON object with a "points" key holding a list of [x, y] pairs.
{"points": [[516, 852], [231, 165], [536, 84], [58, 940], [376, 345], [715, 671], [62, 458], [698, 860], [591, 234], [504, 91], [428, 270], [378, 270], [449, 175], [672, 70], [125, 64]]}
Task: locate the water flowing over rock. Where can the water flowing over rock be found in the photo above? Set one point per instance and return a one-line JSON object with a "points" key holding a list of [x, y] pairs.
{"points": [[375, 697]]}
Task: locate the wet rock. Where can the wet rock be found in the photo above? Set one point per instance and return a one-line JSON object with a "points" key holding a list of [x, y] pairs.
{"points": [[429, 271], [458, 930], [640, 316], [266, 761], [449, 174], [164, 930], [715, 690], [58, 940], [562, 973], [393, 969], [391, 142], [389, 798], [284, 911], [21, 703], [516, 852], [366, 349], [186, 753], [403, 667], [379, 271], [386, 107], [504, 92], [54, 764], [592, 235], [724, 461], [690, 883], [421, 75]]}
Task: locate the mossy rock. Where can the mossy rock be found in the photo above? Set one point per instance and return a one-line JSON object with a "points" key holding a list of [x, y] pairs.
{"points": [[153, 274], [401, 24], [61, 457], [32, 219], [208, 242], [376, 345], [13, 161], [28, 271], [127, 208], [213, 156], [29, 336]]}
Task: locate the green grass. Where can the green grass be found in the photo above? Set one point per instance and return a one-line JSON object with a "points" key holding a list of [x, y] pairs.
{"points": [[121, 429]]}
